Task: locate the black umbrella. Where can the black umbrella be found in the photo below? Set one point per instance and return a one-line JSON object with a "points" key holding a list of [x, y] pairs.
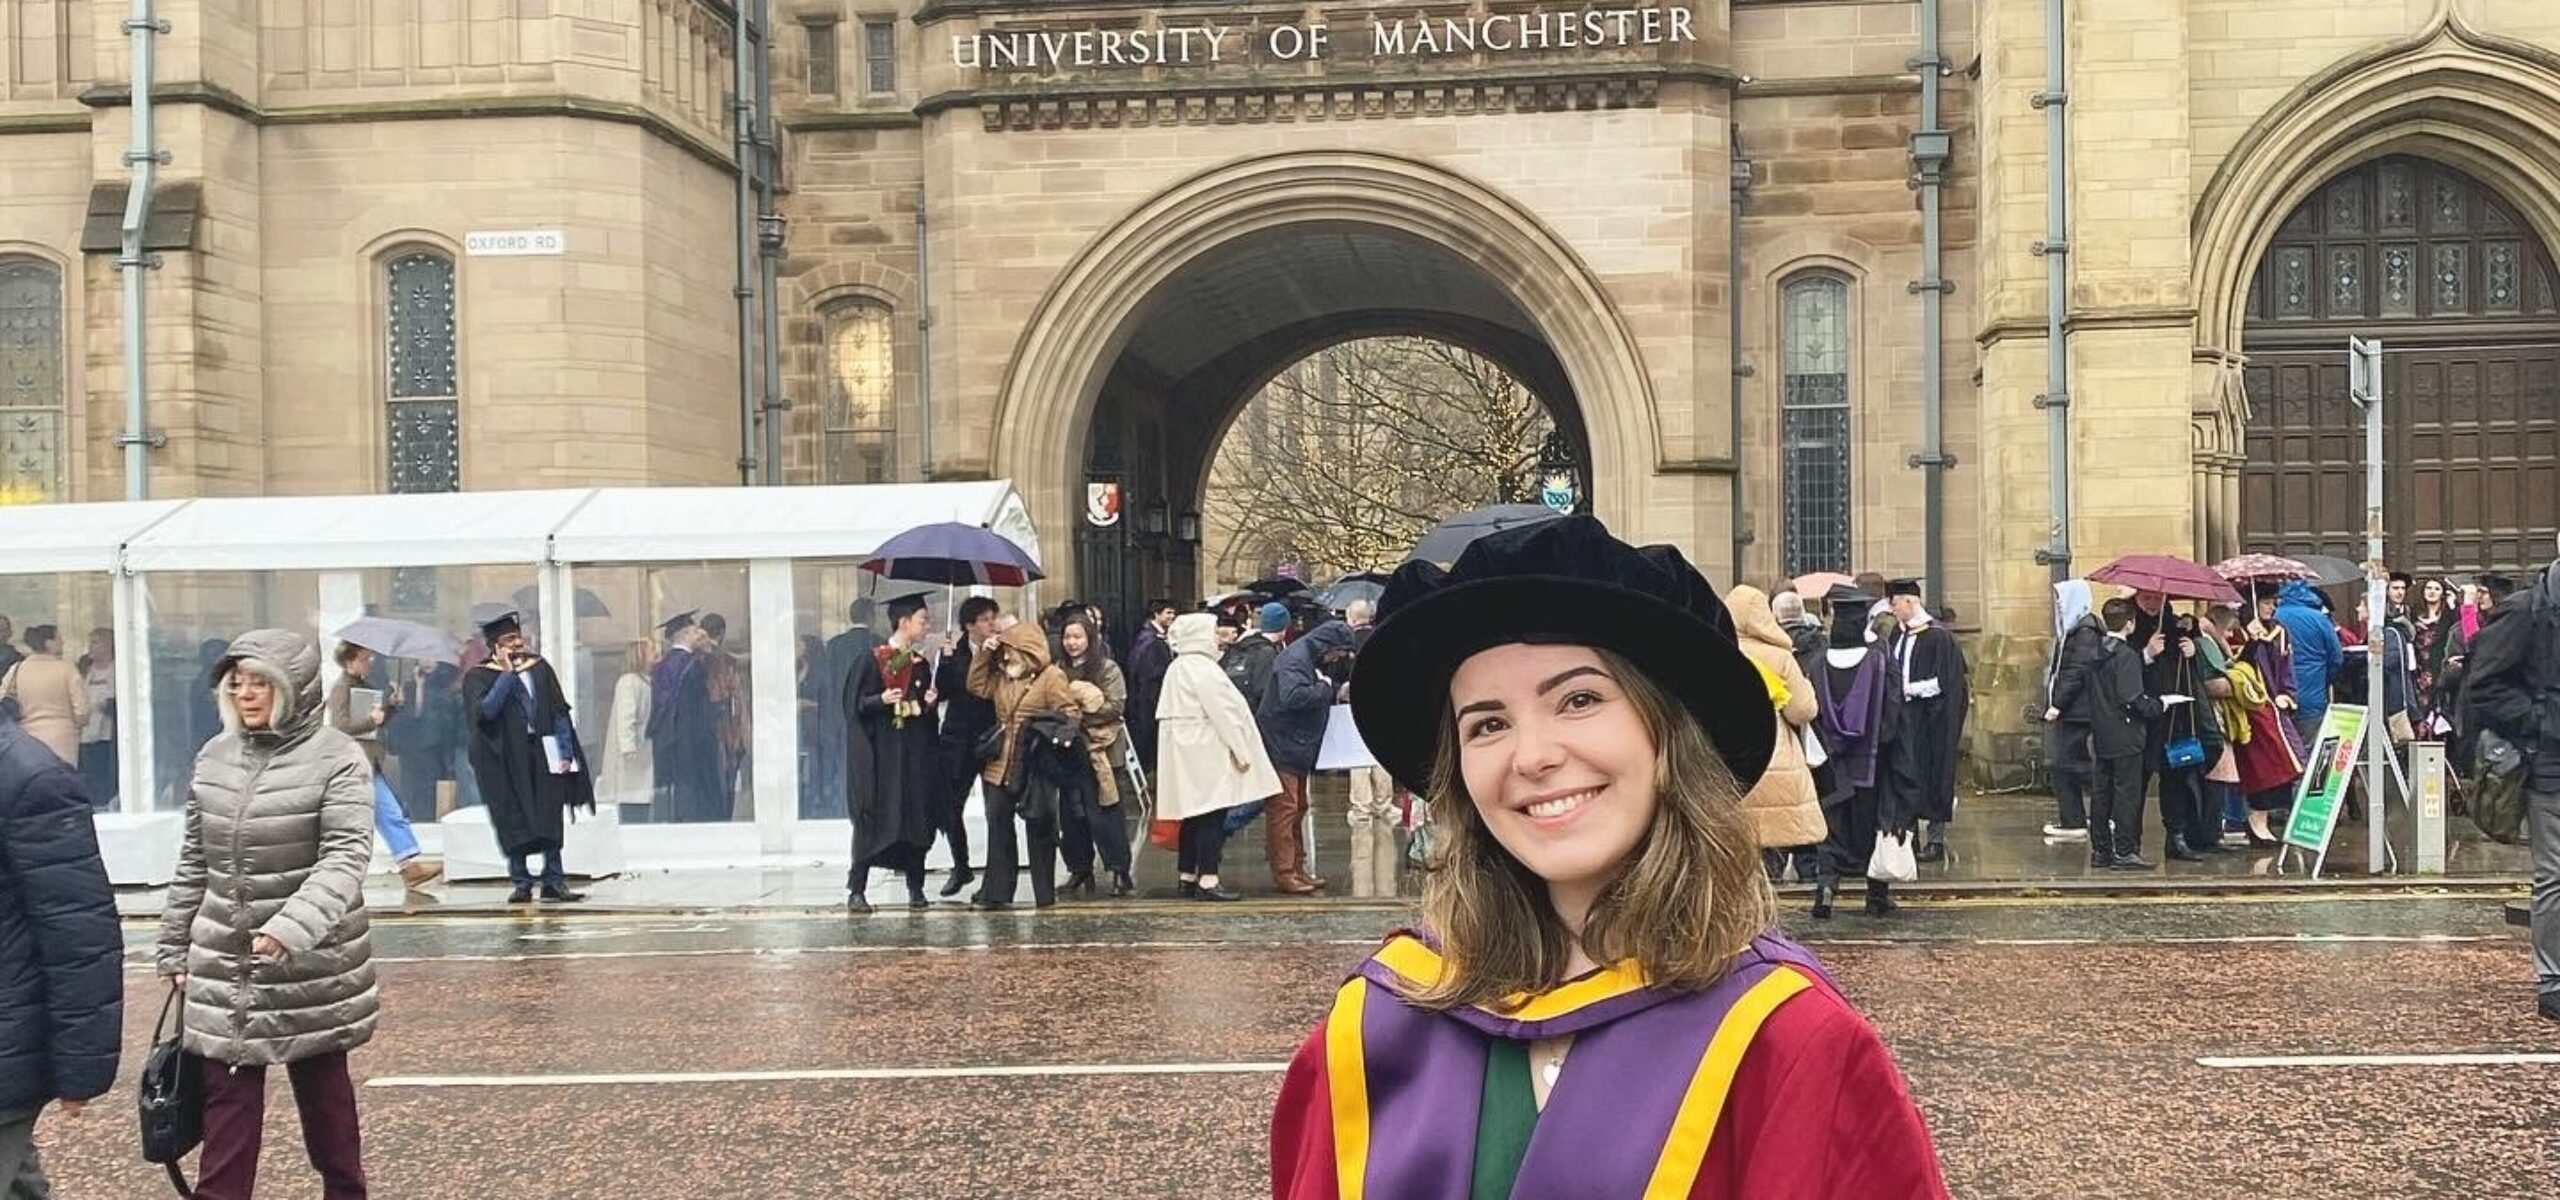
{"points": [[2329, 570], [954, 555], [1450, 538], [1363, 585], [1275, 587]]}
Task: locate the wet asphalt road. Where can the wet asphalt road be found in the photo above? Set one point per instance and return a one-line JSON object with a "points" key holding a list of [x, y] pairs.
{"points": [[2054, 1045]]}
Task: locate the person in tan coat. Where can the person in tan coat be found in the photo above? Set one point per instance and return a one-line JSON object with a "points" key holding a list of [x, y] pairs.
{"points": [[53, 700], [1784, 808], [1016, 676]]}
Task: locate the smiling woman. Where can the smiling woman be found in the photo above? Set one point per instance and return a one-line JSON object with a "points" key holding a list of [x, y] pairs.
{"points": [[1596, 1003]]}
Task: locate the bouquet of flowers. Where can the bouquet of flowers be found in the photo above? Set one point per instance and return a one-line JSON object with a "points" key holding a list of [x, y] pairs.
{"points": [[897, 668]]}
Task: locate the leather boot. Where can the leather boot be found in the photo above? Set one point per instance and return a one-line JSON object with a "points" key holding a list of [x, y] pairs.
{"points": [[1823, 893], [1935, 848], [1880, 899]]}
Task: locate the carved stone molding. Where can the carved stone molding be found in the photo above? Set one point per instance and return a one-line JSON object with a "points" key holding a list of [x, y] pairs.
{"points": [[1339, 102]]}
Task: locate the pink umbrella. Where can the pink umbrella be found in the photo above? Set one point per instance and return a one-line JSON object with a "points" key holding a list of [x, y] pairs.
{"points": [[1813, 584], [2248, 567], [2166, 574]]}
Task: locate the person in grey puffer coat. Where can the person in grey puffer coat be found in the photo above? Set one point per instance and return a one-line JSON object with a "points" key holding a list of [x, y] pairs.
{"points": [[265, 927]]}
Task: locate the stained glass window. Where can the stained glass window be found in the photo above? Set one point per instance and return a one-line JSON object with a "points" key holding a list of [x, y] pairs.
{"points": [[423, 417], [32, 383], [861, 424], [1814, 438]]}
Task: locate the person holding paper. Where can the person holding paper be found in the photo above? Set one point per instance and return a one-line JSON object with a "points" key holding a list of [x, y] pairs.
{"points": [[525, 751], [2119, 712], [1306, 681], [360, 711]]}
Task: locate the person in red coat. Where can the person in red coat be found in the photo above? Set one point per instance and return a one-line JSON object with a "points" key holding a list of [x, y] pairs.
{"points": [[1596, 1003]]}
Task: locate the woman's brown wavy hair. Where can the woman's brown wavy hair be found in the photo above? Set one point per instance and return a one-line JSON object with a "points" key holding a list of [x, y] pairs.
{"points": [[1687, 903]]}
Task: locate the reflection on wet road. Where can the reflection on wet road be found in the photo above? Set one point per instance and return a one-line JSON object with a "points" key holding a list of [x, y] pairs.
{"points": [[2279, 1046]]}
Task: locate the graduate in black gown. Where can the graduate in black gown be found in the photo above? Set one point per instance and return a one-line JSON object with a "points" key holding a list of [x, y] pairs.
{"points": [[1859, 718], [526, 754], [896, 712], [684, 729], [1936, 695]]}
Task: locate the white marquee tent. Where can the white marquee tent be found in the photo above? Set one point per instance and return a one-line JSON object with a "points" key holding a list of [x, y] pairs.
{"points": [[551, 533]]}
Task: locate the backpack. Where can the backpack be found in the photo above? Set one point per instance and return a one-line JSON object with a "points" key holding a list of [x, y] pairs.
{"points": [[2496, 788]]}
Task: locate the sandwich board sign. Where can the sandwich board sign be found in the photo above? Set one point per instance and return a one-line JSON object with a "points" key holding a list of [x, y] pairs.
{"points": [[2332, 762]]}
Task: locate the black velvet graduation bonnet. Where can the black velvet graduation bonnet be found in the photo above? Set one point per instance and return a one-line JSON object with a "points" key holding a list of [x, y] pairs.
{"points": [[1560, 582]]}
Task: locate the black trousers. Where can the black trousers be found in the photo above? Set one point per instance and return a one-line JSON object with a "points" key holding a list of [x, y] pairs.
{"points": [[1004, 856], [1204, 843], [2187, 810], [2115, 807], [1091, 827], [1852, 839], [952, 821]]}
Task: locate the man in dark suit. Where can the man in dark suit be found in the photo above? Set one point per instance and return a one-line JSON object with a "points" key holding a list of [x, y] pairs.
{"points": [[965, 715]]}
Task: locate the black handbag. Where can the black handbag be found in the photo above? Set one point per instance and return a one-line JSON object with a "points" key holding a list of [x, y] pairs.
{"points": [[172, 1092], [988, 747]]}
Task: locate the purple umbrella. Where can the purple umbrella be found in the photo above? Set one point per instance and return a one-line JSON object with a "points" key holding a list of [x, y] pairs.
{"points": [[955, 555]]}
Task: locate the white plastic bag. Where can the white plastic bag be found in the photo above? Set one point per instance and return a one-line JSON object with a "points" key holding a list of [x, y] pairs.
{"points": [[1815, 753], [1893, 861]]}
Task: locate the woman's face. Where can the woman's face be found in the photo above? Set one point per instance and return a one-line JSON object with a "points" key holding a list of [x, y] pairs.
{"points": [[2266, 608], [1556, 759], [252, 695], [1075, 641], [2432, 592], [361, 665]]}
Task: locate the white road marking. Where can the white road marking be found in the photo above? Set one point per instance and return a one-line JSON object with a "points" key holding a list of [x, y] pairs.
{"points": [[2380, 1060], [654, 1078], [2259, 939]]}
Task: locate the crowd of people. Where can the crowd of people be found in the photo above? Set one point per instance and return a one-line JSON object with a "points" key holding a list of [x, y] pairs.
{"points": [[2216, 712]]}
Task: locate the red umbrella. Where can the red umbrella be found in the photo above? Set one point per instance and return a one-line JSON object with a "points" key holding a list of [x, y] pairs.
{"points": [[2262, 566], [2166, 574]]}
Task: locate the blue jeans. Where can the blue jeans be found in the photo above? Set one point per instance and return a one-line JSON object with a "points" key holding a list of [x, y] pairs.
{"points": [[393, 822], [1240, 816], [520, 871]]}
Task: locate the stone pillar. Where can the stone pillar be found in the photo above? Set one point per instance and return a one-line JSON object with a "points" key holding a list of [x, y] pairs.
{"points": [[2132, 301]]}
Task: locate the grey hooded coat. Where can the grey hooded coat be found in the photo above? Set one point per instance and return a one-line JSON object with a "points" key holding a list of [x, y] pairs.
{"points": [[279, 833]]}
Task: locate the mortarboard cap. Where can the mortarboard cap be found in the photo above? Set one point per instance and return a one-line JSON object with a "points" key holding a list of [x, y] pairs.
{"points": [[495, 627], [1844, 593], [1902, 587], [901, 607], [678, 623], [2403, 577], [2500, 586]]}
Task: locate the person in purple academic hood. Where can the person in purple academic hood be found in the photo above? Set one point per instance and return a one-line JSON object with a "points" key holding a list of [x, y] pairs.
{"points": [[1596, 1002]]}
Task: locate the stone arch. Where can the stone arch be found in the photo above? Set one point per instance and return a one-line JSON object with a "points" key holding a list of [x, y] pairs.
{"points": [[1087, 317], [889, 285], [2472, 100]]}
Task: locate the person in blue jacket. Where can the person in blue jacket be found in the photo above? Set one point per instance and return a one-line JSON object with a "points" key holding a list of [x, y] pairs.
{"points": [[61, 954], [2317, 654]]}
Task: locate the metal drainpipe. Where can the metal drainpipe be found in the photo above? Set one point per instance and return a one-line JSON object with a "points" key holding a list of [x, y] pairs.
{"points": [[742, 119], [2056, 249], [1930, 148], [1741, 176], [144, 160], [770, 231], [924, 347]]}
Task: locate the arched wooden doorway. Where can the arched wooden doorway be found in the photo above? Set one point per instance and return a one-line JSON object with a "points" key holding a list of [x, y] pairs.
{"points": [[2462, 293]]}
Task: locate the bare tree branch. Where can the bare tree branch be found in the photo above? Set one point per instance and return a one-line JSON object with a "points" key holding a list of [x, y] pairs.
{"points": [[1348, 457]]}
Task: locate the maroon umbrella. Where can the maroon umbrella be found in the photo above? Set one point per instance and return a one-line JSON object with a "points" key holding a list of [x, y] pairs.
{"points": [[2166, 574]]}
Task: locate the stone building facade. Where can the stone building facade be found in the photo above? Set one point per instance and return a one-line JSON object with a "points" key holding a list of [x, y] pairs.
{"points": [[1062, 242]]}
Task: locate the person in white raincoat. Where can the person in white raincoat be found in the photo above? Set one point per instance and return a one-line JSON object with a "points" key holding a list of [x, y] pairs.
{"points": [[1210, 755]]}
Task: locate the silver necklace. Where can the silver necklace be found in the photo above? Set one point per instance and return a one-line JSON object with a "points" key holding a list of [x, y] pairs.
{"points": [[1555, 1064]]}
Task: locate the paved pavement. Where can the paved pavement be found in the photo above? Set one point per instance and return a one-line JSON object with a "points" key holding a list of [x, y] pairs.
{"points": [[2060, 1047], [1997, 844]]}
